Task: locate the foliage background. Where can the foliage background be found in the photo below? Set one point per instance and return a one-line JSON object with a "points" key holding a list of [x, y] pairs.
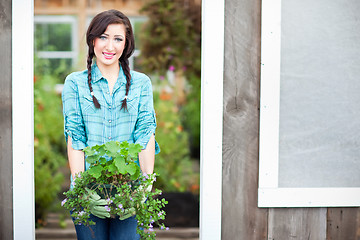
{"points": [[49, 147], [174, 51]]}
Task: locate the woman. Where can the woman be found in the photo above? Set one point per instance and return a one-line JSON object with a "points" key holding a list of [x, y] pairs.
{"points": [[109, 102]]}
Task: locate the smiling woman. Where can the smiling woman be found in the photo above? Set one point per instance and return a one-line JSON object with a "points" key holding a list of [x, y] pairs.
{"points": [[109, 81]]}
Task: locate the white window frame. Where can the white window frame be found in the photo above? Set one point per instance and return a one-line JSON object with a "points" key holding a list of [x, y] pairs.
{"points": [[53, 19], [269, 192], [211, 119]]}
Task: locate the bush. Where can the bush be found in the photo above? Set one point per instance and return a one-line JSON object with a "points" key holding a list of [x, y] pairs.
{"points": [[49, 145], [177, 46], [173, 163], [171, 36]]}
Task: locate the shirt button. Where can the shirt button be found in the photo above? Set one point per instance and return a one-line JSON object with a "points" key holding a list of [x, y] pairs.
{"points": [[107, 92], [109, 121], [109, 107], [109, 138]]}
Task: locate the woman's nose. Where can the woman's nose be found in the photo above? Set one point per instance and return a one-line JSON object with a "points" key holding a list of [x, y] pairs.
{"points": [[109, 46]]}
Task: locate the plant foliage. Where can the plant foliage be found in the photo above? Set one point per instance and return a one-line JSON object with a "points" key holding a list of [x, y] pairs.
{"points": [[115, 175], [172, 36], [49, 147], [171, 39], [173, 162]]}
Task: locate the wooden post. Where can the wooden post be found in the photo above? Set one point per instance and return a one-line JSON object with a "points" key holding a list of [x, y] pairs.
{"points": [[6, 193], [241, 218]]}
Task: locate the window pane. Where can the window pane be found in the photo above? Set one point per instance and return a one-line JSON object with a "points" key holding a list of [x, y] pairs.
{"points": [[53, 37], [319, 101]]}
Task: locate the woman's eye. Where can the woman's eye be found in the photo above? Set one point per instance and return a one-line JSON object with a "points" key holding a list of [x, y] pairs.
{"points": [[102, 37], [118, 39]]}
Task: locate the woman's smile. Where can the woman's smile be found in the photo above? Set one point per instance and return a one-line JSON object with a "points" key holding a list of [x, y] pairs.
{"points": [[108, 55]]}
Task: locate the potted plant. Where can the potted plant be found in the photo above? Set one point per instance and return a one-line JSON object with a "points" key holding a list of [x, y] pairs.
{"points": [[114, 181]]}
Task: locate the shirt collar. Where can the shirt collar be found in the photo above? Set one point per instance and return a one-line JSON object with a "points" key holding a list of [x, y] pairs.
{"points": [[96, 74]]}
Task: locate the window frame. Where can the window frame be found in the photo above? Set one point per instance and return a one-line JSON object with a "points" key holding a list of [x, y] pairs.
{"points": [[65, 19], [269, 192]]}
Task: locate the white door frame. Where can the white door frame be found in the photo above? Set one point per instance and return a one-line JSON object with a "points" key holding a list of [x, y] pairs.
{"points": [[23, 119], [211, 119], [212, 59]]}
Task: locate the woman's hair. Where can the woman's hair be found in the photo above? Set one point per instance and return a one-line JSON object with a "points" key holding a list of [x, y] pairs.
{"points": [[96, 28]]}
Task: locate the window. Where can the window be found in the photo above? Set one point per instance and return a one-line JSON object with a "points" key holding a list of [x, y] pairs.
{"points": [[309, 143], [56, 44]]}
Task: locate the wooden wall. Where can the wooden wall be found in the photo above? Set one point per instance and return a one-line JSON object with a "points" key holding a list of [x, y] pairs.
{"points": [[241, 218], [6, 216]]}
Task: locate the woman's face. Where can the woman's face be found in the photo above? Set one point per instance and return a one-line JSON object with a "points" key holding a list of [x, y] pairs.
{"points": [[110, 45]]}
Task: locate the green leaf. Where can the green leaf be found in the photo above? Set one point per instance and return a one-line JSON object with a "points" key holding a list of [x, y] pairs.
{"points": [[120, 164], [112, 169], [124, 144], [131, 168], [95, 171], [124, 152], [101, 151], [89, 151], [134, 150], [91, 159], [136, 174], [112, 147], [102, 161], [96, 147]]}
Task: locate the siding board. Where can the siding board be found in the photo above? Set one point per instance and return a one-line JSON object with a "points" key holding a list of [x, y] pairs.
{"points": [[297, 223], [6, 218], [343, 223], [241, 219]]}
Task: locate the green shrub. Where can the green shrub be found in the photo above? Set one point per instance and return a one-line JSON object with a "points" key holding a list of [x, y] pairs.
{"points": [[173, 163], [177, 45], [177, 27], [49, 145], [190, 115]]}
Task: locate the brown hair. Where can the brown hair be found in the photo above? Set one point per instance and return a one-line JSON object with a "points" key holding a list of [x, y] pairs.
{"points": [[96, 28]]}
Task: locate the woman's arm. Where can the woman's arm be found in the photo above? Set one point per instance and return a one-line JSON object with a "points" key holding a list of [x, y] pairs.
{"points": [[76, 159], [147, 157]]}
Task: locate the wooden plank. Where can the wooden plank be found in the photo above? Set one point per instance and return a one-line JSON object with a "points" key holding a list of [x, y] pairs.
{"points": [[241, 218], [6, 210], [297, 223], [343, 223]]}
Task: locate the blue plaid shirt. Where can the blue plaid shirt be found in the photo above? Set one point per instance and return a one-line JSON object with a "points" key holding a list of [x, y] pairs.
{"points": [[89, 126]]}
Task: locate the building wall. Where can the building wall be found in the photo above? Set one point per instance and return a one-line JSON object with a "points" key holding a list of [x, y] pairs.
{"points": [[6, 214], [241, 218]]}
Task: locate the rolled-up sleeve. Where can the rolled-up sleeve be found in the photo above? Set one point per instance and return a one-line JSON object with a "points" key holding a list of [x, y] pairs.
{"points": [[73, 121], [146, 122]]}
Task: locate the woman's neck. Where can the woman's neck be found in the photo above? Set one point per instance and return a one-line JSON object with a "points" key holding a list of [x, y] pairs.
{"points": [[110, 73]]}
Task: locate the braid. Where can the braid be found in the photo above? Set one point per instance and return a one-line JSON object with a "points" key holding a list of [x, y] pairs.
{"points": [[89, 62], [125, 66]]}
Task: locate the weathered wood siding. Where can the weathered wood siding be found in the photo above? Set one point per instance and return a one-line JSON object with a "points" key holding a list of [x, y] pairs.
{"points": [[241, 218], [6, 219]]}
